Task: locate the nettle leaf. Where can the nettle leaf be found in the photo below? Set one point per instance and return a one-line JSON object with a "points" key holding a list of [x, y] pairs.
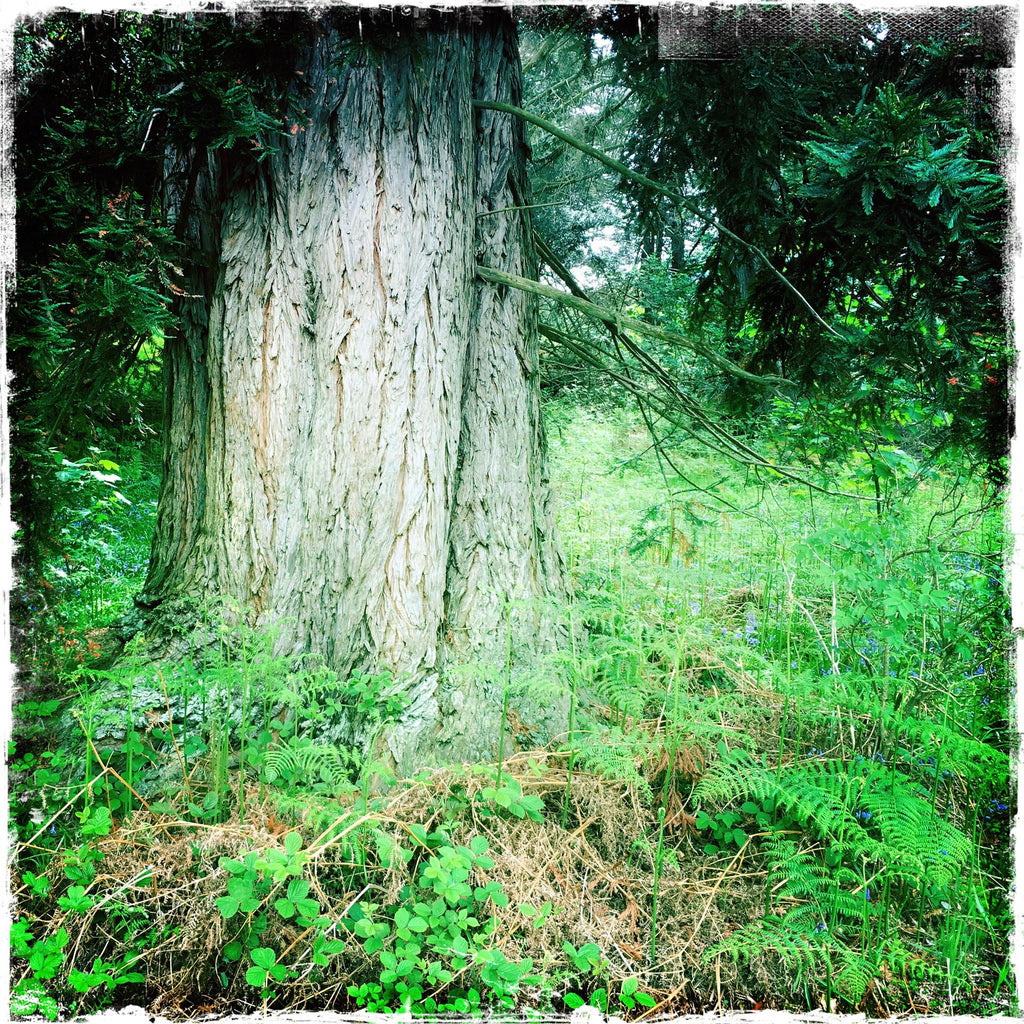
{"points": [[82, 982], [256, 976], [298, 888], [228, 906], [240, 888], [263, 956], [534, 807], [77, 900]]}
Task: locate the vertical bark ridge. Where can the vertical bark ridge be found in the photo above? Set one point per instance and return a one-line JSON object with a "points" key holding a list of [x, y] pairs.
{"points": [[354, 448], [502, 544]]}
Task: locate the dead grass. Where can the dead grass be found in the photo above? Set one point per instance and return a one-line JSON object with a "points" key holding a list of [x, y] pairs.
{"points": [[596, 873]]}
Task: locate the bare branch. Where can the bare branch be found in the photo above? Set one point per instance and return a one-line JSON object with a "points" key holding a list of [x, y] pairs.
{"points": [[642, 179], [629, 323]]}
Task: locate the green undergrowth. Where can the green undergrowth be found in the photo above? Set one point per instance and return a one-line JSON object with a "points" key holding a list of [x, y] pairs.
{"points": [[784, 779]]}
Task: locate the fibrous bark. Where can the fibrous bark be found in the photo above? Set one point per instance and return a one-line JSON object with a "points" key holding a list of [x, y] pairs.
{"points": [[354, 450]]}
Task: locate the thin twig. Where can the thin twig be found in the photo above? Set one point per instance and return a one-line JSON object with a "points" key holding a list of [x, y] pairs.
{"points": [[642, 179]]}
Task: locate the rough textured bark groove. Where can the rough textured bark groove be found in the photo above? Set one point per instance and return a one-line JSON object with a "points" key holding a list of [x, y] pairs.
{"points": [[354, 448]]}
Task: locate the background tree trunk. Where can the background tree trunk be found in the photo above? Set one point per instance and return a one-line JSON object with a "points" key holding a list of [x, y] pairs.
{"points": [[354, 450]]}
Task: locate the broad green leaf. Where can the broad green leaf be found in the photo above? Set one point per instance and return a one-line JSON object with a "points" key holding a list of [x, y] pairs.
{"points": [[228, 906], [256, 976], [263, 956]]}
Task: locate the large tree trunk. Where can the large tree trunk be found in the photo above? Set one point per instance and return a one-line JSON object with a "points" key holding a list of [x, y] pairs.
{"points": [[354, 450]]}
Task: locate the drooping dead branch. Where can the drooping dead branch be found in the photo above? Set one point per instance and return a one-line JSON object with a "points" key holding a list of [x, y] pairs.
{"points": [[633, 324]]}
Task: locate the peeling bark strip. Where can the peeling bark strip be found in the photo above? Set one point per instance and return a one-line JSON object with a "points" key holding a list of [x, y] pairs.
{"points": [[354, 448]]}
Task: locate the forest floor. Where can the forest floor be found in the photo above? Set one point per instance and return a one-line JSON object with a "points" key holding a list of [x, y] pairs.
{"points": [[787, 785]]}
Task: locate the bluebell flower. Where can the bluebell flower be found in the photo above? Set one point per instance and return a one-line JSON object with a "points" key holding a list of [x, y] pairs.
{"points": [[867, 893]]}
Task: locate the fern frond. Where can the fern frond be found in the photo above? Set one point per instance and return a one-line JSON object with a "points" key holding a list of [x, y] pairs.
{"points": [[855, 974], [301, 759], [799, 952], [809, 793], [918, 843], [614, 754]]}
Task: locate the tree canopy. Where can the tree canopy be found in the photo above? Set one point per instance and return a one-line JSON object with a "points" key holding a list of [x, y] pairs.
{"points": [[861, 182]]}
